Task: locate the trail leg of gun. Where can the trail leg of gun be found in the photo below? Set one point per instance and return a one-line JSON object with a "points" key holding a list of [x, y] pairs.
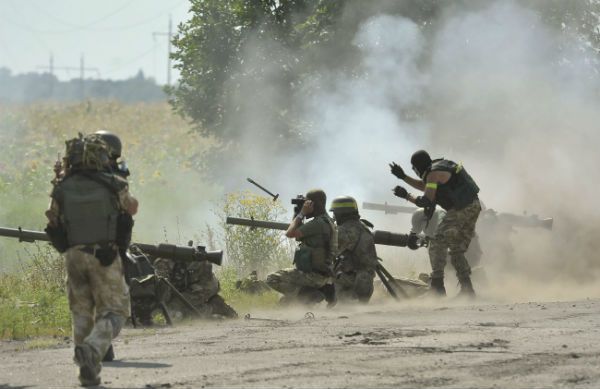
{"points": [[165, 312], [386, 284], [391, 280]]}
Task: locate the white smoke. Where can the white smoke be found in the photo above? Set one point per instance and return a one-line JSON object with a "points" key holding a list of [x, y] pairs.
{"points": [[493, 87]]}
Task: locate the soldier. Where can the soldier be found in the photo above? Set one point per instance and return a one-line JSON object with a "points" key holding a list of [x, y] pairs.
{"points": [[449, 185], [198, 284], [84, 222], [356, 260], [310, 281]]}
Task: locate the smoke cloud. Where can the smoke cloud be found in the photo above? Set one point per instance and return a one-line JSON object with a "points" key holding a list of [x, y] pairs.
{"points": [[494, 87]]}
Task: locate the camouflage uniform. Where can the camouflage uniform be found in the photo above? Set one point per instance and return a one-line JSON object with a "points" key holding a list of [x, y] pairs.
{"points": [[421, 225], [355, 271], [294, 283], [98, 294], [197, 283], [98, 299], [452, 237]]}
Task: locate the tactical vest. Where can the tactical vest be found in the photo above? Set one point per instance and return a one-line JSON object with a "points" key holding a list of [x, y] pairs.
{"points": [[459, 191], [321, 252], [89, 207]]}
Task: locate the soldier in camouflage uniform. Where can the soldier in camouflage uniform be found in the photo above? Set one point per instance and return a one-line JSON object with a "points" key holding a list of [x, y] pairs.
{"points": [[197, 283], [356, 258], [88, 201], [310, 281], [448, 185]]}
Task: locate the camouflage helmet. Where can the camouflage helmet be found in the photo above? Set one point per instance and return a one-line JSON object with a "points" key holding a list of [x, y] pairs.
{"points": [[112, 141], [344, 205]]}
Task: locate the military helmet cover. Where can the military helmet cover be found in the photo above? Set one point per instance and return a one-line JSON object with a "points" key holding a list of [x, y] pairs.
{"points": [[344, 204], [112, 141]]}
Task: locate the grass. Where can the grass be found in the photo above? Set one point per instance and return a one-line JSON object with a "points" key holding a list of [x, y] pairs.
{"points": [[164, 156]]}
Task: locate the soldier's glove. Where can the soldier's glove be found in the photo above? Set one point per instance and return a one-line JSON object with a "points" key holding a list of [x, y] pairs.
{"points": [[397, 170], [413, 241], [400, 192]]}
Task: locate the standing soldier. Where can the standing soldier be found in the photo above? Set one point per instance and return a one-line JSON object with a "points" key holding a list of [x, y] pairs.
{"points": [[85, 222], [356, 261], [447, 184], [310, 280]]}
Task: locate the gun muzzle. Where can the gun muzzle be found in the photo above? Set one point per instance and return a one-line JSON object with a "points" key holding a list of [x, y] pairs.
{"points": [[215, 257]]}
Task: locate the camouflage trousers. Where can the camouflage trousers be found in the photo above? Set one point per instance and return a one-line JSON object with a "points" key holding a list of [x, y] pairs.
{"points": [[289, 281], [98, 299], [452, 238], [354, 285], [205, 298]]}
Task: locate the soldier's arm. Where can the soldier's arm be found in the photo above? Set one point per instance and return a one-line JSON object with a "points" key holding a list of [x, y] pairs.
{"points": [[52, 213], [294, 230], [415, 183], [344, 241], [128, 202], [430, 188]]}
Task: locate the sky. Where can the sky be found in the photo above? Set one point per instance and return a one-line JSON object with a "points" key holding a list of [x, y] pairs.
{"points": [[114, 36]]}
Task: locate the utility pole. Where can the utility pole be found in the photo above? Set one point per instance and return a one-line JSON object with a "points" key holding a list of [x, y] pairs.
{"points": [[82, 69], [169, 35]]}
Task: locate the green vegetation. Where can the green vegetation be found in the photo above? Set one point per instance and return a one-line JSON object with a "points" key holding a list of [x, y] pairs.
{"points": [[257, 249], [163, 155], [33, 301]]}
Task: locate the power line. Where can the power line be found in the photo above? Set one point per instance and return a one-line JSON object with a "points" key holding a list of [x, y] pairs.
{"points": [[86, 28], [82, 27]]}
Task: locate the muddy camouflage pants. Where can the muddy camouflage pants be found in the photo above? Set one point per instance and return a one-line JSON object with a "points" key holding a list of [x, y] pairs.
{"points": [[452, 238], [354, 285], [289, 281], [98, 299]]}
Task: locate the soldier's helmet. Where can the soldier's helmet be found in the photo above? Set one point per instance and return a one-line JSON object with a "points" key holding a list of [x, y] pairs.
{"points": [[344, 205], [112, 141]]}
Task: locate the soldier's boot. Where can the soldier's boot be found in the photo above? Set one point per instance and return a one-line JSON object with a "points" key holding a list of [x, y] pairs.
{"points": [[89, 365], [466, 288], [110, 355], [310, 296], [328, 291], [437, 287]]}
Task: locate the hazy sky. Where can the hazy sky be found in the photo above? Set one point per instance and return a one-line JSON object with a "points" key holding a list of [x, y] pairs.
{"points": [[115, 36]]}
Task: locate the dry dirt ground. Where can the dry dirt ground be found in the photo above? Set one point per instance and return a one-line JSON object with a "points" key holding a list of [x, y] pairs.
{"points": [[482, 345]]}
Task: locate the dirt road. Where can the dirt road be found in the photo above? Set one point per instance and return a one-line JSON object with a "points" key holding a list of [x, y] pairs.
{"points": [[533, 345]]}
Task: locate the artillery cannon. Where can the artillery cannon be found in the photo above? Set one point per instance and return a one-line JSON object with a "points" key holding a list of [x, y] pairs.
{"points": [[385, 238], [145, 286], [506, 218]]}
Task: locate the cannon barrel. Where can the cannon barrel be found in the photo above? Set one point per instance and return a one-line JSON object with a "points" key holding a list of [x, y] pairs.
{"points": [[386, 238], [163, 250], [388, 209], [24, 235], [183, 253], [257, 223], [531, 221]]}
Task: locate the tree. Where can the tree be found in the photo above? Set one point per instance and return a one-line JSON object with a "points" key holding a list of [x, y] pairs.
{"points": [[229, 47]]}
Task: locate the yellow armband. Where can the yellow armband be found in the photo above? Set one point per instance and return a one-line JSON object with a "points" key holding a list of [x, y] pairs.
{"points": [[431, 185]]}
